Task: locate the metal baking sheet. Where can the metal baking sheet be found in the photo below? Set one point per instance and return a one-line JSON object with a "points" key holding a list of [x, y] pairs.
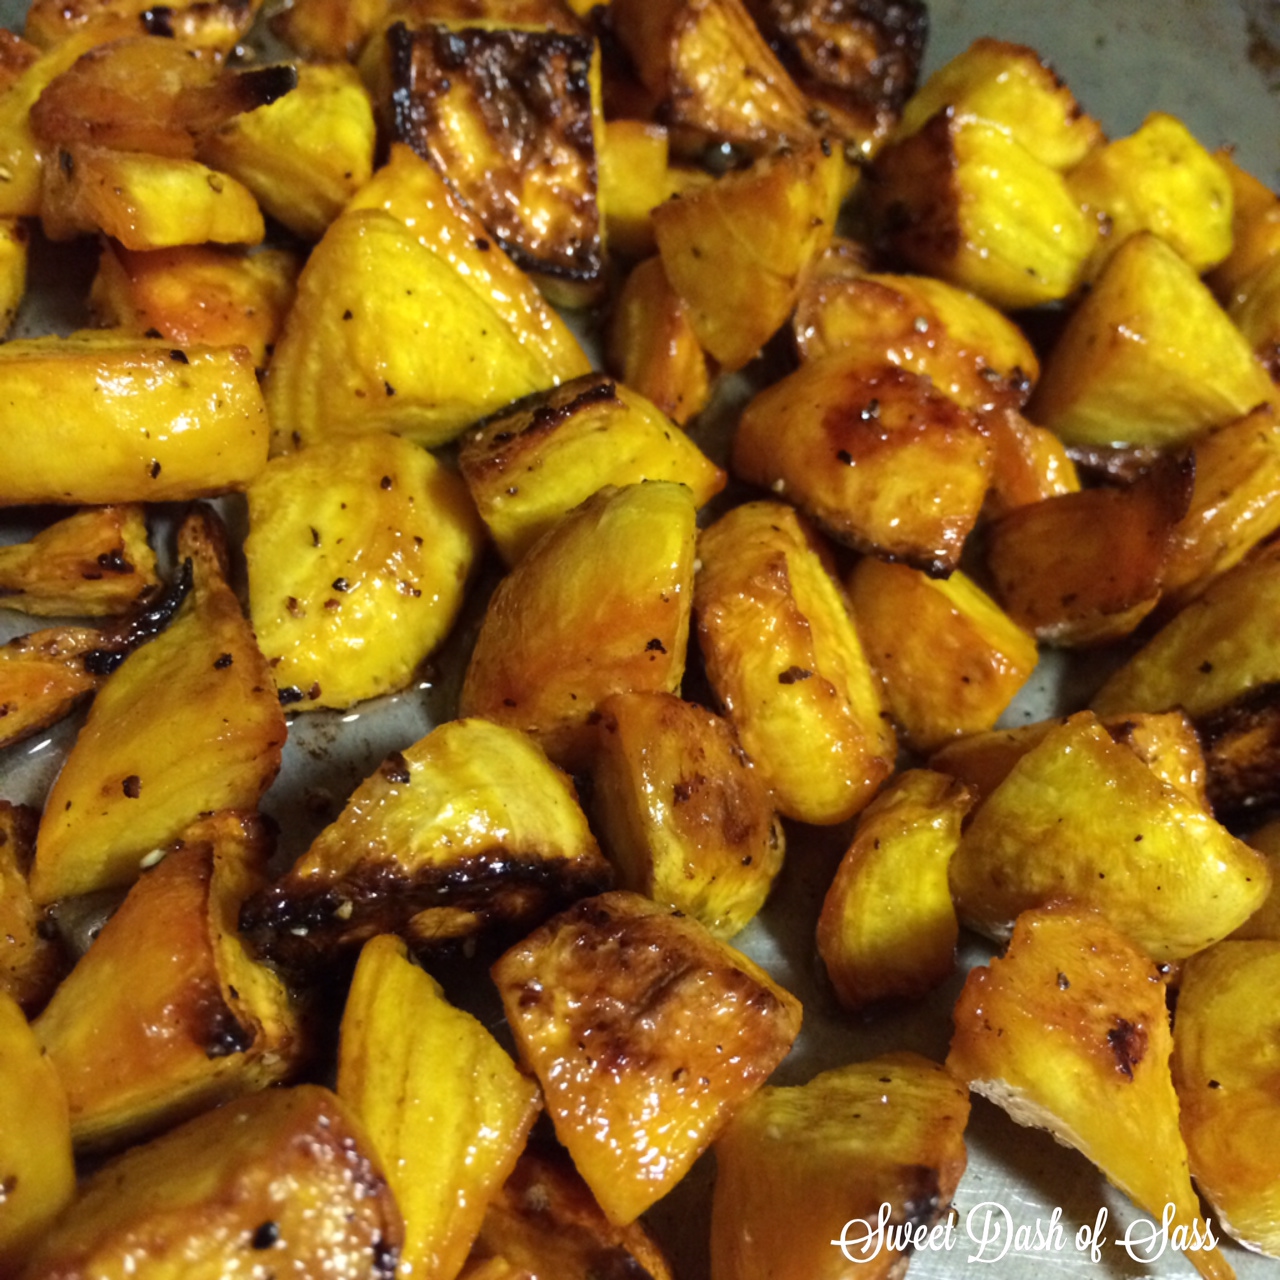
{"points": [[1215, 64]]}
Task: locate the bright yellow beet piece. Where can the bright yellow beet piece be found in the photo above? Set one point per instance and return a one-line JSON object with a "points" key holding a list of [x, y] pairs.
{"points": [[646, 1033], [98, 418], [958, 665], [1228, 1082], [304, 155], [36, 1167], [798, 1164], [600, 605], [684, 814], [1159, 179], [1148, 358], [529, 467], [13, 269], [1070, 1032], [785, 661], [1081, 817], [188, 724], [171, 957], [30, 963], [359, 552], [387, 336], [888, 927], [144, 201], [444, 1106]]}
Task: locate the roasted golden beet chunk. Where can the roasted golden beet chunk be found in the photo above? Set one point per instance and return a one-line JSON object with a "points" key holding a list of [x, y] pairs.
{"points": [[446, 1109], [287, 1177], [92, 564], [149, 94], [856, 59], [508, 117], [686, 817], [646, 1034], [214, 25], [186, 725], [529, 466], [166, 1015], [471, 827], [875, 456], [1225, 1072], [1085, 568], [800, 1168], [1080, 817], [1070, 1032]]}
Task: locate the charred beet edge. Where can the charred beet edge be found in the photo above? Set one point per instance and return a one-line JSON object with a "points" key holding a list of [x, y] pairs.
{"points": [[300, 927], [141, 626]]}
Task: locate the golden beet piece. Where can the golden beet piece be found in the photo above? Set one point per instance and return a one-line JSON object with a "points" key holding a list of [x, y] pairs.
{"points": [[646, 1033], [78, 429], [286, 1180], [148, 94], [802, 1167], [1085, 568], [359, 552], [1235, 503], [736, 250], [1069, 1032], [652, 347], [875, 456], [468, 828], [1080, 817], [683, 813], [962, 199], [92, 564], [411, 190], [528, 467], [509, 117], [30, 959], [24, 74], [42, 677], [1148, 358], [1219, 649], [599, 605], [386, 336], [959, 663], [188, 724], [857, 63], [444, 1106], [36, 1168], [144, 201], [1228, 1084], [1010, 86], [213, 25], [888, 927], [166, 1014], [304, 156], [545, 1222], [786, 663], [1028, 464], [1166, 743], [972, 353], [711, 74], [1158, 179], [197, 295], [1255, 311]]}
